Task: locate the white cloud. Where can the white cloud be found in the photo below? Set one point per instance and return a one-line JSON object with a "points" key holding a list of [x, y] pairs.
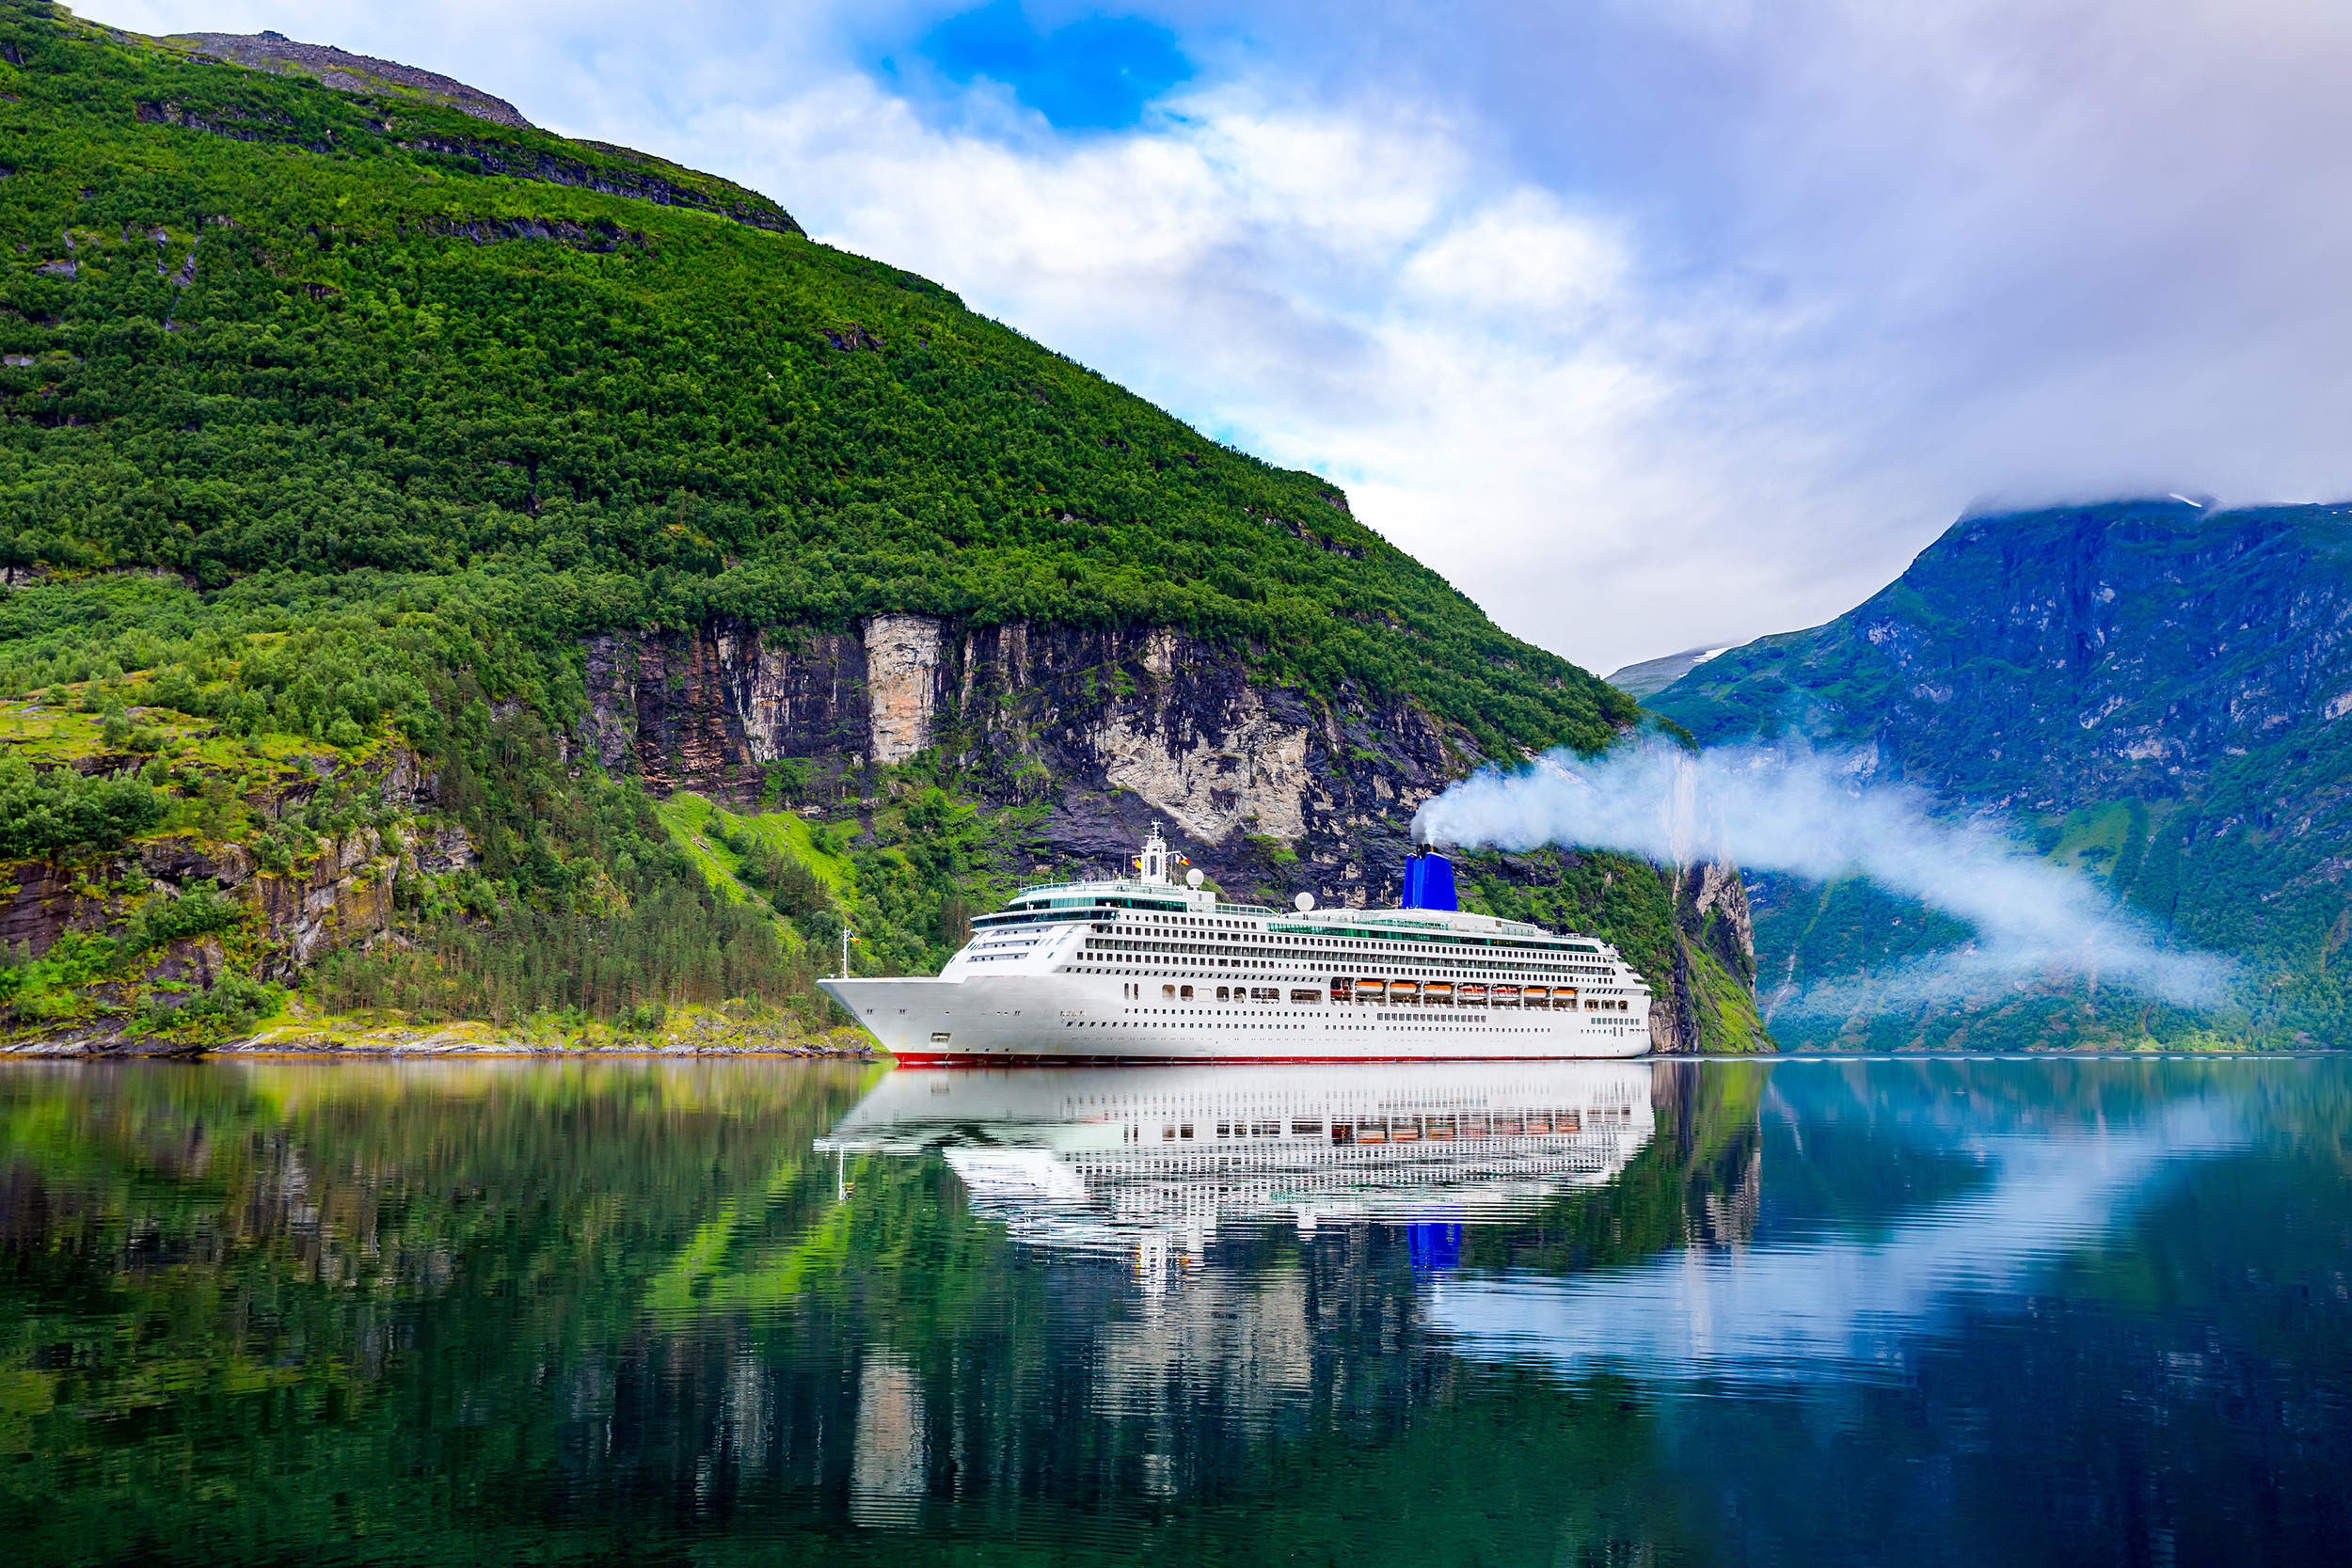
{"points": [[1522, 260], [1349, 289]]}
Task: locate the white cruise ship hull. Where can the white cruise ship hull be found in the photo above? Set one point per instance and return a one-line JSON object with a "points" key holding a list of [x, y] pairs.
{"points": [[1072, 1019]]}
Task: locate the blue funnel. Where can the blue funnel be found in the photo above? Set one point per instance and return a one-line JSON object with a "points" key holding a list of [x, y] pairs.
{"points": [[1428, 883]]}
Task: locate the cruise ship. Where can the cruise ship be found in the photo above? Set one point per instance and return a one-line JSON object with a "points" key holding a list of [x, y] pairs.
{"points": [[1152, 968]]}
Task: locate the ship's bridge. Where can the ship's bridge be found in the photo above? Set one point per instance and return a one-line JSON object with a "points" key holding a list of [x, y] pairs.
{"points": [[1156, 887]]}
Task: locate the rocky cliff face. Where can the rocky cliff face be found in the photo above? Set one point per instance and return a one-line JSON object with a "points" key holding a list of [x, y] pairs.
{"points": [[1103, 732], [339, 893], [1108, 730]]}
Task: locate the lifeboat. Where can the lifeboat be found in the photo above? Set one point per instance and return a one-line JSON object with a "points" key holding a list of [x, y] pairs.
{"points": [[1439, 994], [1473, 996], [1437, 1127], [1372, 990], [1537, 996], [1404, 1130], [1404, 992], [1506, 996]]}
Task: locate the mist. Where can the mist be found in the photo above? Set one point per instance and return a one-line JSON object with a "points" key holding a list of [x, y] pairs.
{"points": [[1810, 814]]}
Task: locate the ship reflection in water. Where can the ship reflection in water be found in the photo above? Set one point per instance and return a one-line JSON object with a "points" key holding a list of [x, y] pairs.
{"points": [[1148, 1163]]}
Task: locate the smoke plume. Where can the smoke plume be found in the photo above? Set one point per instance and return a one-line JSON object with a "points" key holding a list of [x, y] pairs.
{"points": [[1812, 815]]}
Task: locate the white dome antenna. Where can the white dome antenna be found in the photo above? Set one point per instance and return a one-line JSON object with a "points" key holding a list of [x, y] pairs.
{"points": [[1193, 878], [1304, 902]]}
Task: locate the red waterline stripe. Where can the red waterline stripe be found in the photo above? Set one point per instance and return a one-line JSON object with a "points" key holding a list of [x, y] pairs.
{"points": [[968, 1059]]}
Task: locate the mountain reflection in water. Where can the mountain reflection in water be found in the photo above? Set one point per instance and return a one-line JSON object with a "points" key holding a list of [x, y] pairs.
{"points": [[2026, 1311], [1841, 1306]]}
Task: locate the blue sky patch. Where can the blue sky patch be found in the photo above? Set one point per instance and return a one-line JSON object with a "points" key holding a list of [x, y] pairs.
{"points": [[1096, 74]]}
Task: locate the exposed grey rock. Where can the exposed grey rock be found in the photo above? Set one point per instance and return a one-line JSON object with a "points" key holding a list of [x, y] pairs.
{"points": [[347, 73]]}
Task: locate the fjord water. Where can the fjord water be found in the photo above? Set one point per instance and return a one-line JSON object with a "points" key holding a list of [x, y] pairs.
{"points": [[1924, 1310]]}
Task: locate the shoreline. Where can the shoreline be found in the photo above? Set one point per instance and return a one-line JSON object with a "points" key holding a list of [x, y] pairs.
{"points": [[699, 1034], [594, 1054], [78, 1053], [326, 1045]]}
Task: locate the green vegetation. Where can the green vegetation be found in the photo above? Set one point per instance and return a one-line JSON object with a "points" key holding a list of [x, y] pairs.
{"points": [[43, 813], [236, 356], [276, 720], [329, 424]]}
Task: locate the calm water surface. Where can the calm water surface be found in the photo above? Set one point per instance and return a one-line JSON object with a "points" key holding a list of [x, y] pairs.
{"points": [[1908, 1311]]}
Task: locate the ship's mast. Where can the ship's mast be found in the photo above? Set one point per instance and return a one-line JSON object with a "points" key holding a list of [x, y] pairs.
{"points": [[1152, 862]]}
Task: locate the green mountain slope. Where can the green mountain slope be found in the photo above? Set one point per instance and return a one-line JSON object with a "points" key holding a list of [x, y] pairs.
{"points": [[2154, 693], [389, 493], [256, 327]]}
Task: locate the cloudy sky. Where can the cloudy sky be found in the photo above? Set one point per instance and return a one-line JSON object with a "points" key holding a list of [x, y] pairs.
{"points": [[1650, 323]]}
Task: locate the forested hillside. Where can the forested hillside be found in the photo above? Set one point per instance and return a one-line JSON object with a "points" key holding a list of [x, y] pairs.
{"points": [[387, 491], [261, 328], [2154, 693]]}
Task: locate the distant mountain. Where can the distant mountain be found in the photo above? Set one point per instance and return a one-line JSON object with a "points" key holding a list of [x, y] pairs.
{"points": [[2157, 693], [1653, 675]]}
